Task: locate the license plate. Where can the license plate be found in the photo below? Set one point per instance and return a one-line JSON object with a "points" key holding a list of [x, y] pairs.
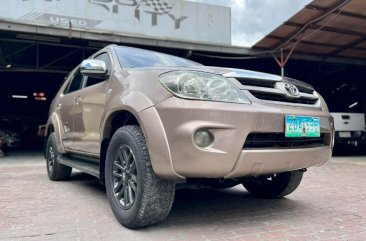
{"points": [[344, 134], [302, 126]]}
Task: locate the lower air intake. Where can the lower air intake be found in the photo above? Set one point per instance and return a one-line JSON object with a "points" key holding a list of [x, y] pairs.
{"points": [[278, 140]]}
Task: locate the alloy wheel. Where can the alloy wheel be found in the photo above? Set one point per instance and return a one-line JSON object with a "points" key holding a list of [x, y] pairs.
{"points": [[125, 177], [51, 158]]}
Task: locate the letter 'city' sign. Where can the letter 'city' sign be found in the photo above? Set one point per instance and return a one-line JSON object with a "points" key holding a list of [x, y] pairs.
{"points": [[162, 19], [152, 7]]}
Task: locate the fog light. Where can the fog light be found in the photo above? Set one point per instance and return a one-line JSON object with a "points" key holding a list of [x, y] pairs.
{"points": [[203, 138]]}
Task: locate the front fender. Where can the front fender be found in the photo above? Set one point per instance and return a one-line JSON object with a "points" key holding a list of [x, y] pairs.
{"points": [[142, 108], [133, 103], [158, 145]]}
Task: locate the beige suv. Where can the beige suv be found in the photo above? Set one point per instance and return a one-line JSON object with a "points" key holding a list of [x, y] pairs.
{"points": [[145, 123]]}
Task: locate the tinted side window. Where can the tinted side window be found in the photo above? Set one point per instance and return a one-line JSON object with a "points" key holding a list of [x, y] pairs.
{"points": [[104, 57], [75, 83]]}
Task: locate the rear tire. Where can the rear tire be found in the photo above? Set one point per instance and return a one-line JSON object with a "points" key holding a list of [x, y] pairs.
{"points": [[55, 170], [137, 196], [275, 186]]}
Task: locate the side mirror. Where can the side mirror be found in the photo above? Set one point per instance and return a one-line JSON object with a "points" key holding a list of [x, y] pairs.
{"points": [[93, 68]]}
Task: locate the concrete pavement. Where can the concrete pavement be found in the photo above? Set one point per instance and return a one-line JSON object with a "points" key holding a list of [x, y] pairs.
{"points": [[330, 204]]}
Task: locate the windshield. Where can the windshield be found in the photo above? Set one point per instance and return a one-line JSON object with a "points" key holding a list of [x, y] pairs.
{"points": [[140, 58]]}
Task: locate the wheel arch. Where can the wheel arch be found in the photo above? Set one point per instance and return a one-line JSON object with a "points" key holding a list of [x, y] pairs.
{"points": [[113, 122], [49, 129], [54, 125], [155, 136]]}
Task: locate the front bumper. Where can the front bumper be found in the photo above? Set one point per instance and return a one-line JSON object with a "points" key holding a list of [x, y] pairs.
{"points": [[230, 124]]}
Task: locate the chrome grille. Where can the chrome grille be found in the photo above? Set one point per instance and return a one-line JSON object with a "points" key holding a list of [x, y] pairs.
{"points": [[279, 97], [258, 83], [266, 90]]}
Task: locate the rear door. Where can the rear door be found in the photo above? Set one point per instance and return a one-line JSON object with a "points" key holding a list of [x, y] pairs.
{"points": [[65, 107]]}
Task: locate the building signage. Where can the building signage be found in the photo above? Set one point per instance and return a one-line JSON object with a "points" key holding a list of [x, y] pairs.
{"points": [[162, 19]]}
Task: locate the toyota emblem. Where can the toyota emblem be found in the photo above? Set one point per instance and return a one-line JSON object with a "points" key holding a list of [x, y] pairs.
{"points": [[291, 89]]}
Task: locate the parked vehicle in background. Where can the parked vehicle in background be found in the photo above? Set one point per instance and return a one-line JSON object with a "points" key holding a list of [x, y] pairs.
{"points": [[143, 121], [349, 116], [11, 129], [10, 139], [349, 128], [19, 132]]}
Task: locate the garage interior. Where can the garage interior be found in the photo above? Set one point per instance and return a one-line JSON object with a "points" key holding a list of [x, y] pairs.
{"points": [[325, 44]]}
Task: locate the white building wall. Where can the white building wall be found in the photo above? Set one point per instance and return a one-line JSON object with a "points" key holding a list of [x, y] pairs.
{"points": [[162, 19]]}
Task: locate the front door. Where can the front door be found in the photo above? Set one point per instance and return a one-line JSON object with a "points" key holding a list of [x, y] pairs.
{"points": [[87, 118], [89, 110]]}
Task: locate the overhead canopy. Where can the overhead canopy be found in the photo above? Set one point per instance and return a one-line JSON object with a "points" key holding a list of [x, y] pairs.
{"points": [[325, 30]]}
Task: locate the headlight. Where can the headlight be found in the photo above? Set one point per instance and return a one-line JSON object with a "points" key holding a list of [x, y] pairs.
{"points": [[202, 86]]}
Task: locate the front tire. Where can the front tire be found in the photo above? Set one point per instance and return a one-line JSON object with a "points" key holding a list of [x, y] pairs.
{"points": [[275, 186], [137, 196], [55, 170]]}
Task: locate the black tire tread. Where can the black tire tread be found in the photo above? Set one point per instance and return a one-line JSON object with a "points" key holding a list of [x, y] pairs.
{"points": [[157, 194], [288, 183], [295, 180], [60, 171]]}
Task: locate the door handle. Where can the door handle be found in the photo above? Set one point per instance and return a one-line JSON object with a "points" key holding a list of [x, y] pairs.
{"points": [[58, 106], [77, 100]]}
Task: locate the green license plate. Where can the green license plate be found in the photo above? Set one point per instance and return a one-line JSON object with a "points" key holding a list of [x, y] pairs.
{"points": [[302, 126]]}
